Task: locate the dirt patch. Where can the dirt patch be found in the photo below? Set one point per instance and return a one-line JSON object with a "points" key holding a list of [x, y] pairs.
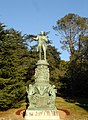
{"points": [[65, 111], [10, 115]]}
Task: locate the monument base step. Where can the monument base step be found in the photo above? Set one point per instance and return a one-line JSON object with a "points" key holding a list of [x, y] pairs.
{"points": [[42, 115]]}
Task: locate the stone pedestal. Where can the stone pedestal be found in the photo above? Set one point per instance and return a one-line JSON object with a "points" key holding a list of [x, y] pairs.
{"points": [[41, 96], [42, 115]]}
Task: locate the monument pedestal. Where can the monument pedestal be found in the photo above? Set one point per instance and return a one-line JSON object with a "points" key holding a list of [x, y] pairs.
{"points": [[42, 115], [41, 96]]}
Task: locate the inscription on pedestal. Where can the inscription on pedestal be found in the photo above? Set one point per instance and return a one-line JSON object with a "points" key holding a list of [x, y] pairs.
{"points": [[42, 115]]}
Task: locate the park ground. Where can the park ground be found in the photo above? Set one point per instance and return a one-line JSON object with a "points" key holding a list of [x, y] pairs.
{"points": [[74, 109]]}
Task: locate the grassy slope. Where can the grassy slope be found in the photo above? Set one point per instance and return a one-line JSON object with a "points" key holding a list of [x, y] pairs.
{"points": [[76, 112]]}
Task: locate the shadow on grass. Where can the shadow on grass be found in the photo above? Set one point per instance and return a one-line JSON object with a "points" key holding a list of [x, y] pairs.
{"points": [[81, 102]]}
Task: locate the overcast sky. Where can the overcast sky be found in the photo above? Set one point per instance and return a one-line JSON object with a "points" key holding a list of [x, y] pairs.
{"points": [[33, 16]]}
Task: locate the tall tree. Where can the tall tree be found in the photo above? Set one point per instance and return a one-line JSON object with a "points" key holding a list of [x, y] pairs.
{"points": [[14, 63], [74, 31], [71, 27]]}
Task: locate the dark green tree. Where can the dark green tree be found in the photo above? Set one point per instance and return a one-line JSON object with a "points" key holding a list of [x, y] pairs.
{"points": [[14, 64], [53, 57]]}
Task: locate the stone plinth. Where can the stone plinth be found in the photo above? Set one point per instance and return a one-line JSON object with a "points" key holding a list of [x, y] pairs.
{"points": [[41, 94], [42, 115]]}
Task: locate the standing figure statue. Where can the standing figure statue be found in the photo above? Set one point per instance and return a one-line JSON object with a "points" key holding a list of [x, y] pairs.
{"points": [[42, 39]]}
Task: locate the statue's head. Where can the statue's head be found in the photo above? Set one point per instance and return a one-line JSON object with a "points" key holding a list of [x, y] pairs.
{"points": [[42, 33]]}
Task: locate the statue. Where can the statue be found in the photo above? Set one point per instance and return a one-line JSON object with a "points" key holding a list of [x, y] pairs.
{"points": [[30, 91], [41, 95], [52, 93], [42, 39]]}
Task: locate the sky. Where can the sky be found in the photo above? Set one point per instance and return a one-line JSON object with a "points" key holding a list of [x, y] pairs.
{"points": [[33, 16]]}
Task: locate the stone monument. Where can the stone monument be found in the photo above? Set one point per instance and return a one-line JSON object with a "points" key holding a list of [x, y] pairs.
{"points": [[41, 94]]}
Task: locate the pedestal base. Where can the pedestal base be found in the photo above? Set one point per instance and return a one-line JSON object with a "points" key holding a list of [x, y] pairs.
{"points": [[42, 115]]}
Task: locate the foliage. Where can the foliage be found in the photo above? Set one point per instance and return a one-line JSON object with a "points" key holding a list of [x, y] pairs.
{"points": [[53, 57], [14, 63], [74, 31], [71, 27]]}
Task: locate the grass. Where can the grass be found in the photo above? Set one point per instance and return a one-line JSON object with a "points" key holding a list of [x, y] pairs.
{"points": [[78, 110]]}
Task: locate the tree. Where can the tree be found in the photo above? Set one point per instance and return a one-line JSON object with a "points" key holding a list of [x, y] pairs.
{"points": [[53, 57], [74, 31], [71, 27], [84, 48], [14, 64]]}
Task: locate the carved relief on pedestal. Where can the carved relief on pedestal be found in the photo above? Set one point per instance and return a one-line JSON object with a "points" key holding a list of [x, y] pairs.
{"points": [[41, 97], [42, 72]]}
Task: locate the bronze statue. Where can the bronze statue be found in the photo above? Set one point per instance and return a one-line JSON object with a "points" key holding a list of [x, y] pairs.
{"points": [[42, 39]]}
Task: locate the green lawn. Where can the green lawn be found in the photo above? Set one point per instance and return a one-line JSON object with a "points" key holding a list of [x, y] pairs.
{"points": [[78, 109]]}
